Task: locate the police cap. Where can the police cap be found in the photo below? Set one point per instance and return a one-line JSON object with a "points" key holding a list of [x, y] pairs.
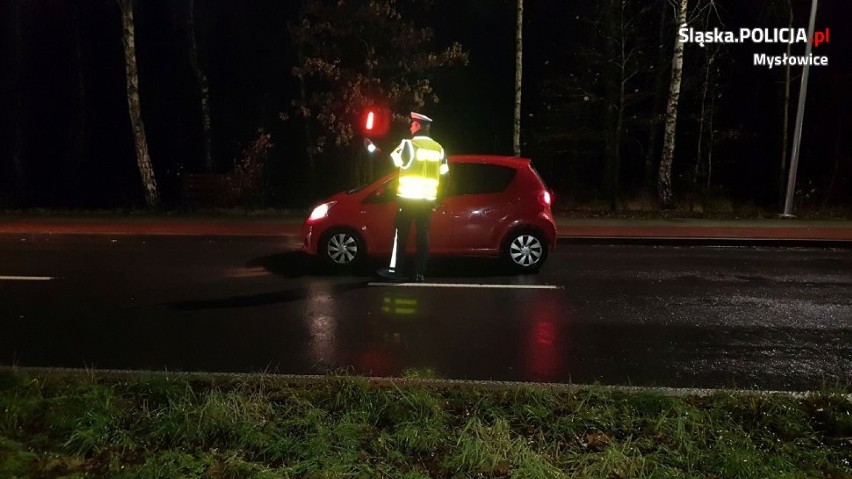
{"points": [[419, 117]]}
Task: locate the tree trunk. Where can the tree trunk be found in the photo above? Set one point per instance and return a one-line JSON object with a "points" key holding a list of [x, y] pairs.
{"points": [[519, 57], [702, 119], [143, 159], [664, 180], [201, 79], [648, 179]]}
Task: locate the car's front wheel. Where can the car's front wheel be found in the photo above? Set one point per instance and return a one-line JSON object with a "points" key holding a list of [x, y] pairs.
{"points": [[342, 248], [525, 251]]}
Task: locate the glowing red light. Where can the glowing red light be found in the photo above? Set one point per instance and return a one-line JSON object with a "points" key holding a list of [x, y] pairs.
{"points": [[374, 121]]}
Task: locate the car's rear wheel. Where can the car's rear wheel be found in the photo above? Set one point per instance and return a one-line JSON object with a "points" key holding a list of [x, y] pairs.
{"points": [[342, 248], [525, 251]]}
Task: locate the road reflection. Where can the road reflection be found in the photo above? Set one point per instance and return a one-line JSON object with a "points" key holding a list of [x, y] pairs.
{"points": [[391, 334], [321, 312], [547, 341], [392, 331]]}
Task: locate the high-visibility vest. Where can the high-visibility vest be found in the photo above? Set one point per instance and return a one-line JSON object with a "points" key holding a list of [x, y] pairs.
{"points": [[421, 163]]}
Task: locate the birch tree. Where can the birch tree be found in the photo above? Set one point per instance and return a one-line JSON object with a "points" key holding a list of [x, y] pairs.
{"points": [[143, 159], [664, 179], [706, 133], [657, 109], [711, 88], [519, 62]]}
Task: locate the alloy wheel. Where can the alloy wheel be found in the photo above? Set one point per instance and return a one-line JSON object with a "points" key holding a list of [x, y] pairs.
{"points": [[342, 248], [526, 251]]}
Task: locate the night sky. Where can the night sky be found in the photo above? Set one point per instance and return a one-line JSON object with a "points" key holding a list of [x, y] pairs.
{"points": [[67, 72]]}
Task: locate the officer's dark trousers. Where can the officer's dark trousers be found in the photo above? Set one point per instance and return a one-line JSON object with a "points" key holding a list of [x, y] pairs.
{"points": [[420, 212]]}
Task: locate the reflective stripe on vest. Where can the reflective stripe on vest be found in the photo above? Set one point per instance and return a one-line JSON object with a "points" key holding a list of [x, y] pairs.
{"points": [[417, 188], [419, 179]]}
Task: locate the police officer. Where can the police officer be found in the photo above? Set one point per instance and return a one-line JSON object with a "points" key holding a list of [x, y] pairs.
{"points": [[422, 163]]}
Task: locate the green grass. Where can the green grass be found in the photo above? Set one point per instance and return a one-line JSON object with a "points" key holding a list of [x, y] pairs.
{"points": [[70, 425]]}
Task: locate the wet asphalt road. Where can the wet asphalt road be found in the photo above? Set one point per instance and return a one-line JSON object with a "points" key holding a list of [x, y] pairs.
{"points": [[688, 316]]}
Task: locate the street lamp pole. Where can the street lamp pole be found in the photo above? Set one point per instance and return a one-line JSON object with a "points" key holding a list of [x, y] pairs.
{"points": [[800, 114]]}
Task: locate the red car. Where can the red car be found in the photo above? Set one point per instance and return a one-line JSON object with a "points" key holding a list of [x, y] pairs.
{"points": [[495, 206]]}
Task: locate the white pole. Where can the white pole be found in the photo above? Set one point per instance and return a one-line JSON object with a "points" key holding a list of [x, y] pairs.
{"points": [[800, 114]]}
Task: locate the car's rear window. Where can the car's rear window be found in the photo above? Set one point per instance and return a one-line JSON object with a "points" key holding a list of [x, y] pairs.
{"points": [[477, 178]]}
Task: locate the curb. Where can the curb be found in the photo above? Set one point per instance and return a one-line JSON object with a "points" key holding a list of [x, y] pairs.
{"points": [[294, 379]]}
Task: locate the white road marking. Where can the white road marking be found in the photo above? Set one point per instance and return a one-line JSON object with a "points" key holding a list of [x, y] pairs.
{"points": [[468, 285], [26, 278]]}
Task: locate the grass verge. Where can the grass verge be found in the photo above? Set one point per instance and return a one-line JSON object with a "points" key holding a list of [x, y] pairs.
{"points": [[81, 425]]}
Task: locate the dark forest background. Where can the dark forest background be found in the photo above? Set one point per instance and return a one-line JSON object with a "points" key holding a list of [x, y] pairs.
{"points": [[66, 142]]}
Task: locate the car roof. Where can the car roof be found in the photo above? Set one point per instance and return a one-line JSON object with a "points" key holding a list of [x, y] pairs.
{"points": [[510, 161]]}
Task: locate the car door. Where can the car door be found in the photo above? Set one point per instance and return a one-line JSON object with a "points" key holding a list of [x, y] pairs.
{"points": [[378, 211], [474, 206]]}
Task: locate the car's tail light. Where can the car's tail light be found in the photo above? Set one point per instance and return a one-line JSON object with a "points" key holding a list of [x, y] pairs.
{"points": [[544, 198], [321, 211]]}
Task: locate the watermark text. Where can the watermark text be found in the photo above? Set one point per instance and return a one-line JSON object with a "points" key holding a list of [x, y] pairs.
{"points": [[788, 36]]}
